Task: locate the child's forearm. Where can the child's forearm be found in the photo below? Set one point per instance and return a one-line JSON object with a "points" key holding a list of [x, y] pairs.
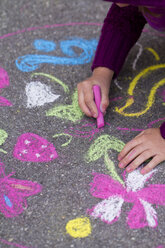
{"points": [[122, 28]]}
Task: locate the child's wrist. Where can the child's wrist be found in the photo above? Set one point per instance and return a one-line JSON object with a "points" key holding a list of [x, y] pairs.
{"points": [[103, 72]]}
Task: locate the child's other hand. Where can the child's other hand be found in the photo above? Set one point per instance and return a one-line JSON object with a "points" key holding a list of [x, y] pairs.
{"points": [[101, 76], [148, 144]]}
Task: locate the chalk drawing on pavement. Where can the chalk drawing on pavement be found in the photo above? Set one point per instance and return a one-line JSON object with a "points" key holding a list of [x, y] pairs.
{"points": [[151, 97], [31, 62], [39, 94], [114, 194], [79, 227], [13, 193], [34, 148], [4, 82], [100, 148]]}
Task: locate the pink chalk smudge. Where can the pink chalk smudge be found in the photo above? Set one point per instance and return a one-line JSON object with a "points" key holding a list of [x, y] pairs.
{"points": [[115, 194], [150, 124], [4, 82], [129, 129], [5, 102], [51, 26], [34, 148], [13, 193], [83, 130], [115, 99], [3, 241], [4, 78]]}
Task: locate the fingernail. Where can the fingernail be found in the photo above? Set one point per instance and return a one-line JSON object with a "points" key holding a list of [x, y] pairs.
{"points": [[95, 115], [121, 165], [101, 108], [143, 171], [129, 169]]}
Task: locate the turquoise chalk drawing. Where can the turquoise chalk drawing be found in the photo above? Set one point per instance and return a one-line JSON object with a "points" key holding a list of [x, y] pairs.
{"points": [[31, 62]]}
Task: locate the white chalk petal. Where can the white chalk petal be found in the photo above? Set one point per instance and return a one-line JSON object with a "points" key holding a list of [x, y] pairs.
{"points": [[151, 214], [38, 94], [135, 180], [109, 209]]}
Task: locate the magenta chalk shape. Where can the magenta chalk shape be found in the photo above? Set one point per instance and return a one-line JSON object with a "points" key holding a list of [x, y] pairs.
{"points": [[97, 97]]}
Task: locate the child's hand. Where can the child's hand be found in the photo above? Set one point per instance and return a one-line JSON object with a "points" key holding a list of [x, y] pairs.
{"points": [[101, 76], [148, 144]]}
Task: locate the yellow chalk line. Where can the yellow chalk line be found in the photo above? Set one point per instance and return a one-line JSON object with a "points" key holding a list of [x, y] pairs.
{"points": [[132, 86], [156, 55]]}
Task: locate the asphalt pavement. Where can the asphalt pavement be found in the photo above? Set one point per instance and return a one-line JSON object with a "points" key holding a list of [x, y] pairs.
{"points": [[60, 184]]}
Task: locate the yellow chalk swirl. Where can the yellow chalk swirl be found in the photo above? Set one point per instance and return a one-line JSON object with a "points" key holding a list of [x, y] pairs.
{"points": [[151, 97], [79, 227]]}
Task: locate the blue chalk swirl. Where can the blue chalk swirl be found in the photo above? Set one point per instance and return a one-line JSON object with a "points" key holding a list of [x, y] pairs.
{"points": [[44, 45], [7, 201], [31, 62]]}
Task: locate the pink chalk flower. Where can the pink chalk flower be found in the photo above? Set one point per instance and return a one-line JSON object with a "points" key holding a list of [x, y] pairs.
{"points": [[13, 193], [115, 194]]}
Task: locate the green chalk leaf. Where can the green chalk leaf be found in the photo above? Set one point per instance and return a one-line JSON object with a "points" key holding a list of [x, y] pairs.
{"points": [[3, 136], [101, 146], [69, 112]]}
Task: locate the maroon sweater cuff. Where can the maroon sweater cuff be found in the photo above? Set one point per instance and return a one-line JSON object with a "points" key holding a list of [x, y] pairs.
{"points": [[151, 3], [122, 28], [162, 130]]}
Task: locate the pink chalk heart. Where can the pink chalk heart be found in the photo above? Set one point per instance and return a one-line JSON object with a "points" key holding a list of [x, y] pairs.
{"points": [[4, 79], [34, 148]]}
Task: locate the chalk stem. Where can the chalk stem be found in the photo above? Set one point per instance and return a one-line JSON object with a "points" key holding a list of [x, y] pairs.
{"points": [[64, 134], [111, 168], [65, 87]]}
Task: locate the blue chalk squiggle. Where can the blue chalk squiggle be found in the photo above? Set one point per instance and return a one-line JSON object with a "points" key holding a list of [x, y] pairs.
{"points": [[44, 45], [31, 62]]}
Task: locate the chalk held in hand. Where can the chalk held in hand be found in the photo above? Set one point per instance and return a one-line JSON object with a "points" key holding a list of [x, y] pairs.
{"points": [[97, 98]]}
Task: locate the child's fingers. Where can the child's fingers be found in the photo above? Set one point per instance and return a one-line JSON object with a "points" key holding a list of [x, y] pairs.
{"points": [[86, 99], [140, 134], [89, 101], [104, 99], [138, 161], [131, 156], [82, 104], [128, 147], [152, 164]]}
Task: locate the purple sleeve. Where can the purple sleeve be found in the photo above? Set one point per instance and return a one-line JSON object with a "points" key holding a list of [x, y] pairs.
{"points": [[162, 130], [151, 3], [122, 28]]}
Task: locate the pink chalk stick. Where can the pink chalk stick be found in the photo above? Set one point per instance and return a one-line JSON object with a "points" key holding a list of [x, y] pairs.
{"points": [[97, 96]]}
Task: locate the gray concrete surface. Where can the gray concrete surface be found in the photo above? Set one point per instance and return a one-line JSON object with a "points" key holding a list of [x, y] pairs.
{"points": [[66, 180]]}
